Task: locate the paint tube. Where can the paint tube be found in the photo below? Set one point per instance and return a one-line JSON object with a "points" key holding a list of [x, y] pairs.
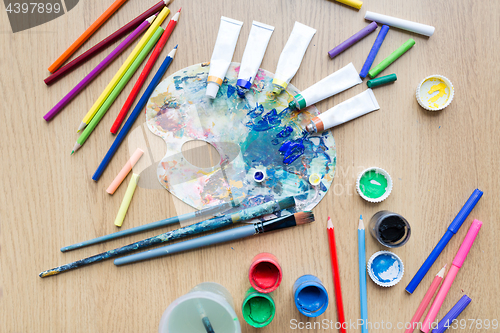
{"points": [[292, 55], [335, 83], [225, 44], [354, 107], [253, 55]]}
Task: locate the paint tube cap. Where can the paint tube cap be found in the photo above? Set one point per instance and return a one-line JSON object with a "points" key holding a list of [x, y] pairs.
{"points": [[435, 92], [212, 89], [265, 273], [245, 84], [385, 268], [374, 184]]}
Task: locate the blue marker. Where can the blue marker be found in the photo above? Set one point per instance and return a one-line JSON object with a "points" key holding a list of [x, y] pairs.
{"points": [[133, 116], [373, 52], [311, 297], [452, 230]]}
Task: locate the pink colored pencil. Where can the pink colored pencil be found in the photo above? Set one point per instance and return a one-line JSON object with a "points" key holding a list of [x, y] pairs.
{"points": [[452, 273], [99, 68], [427, 299], [145, 72]]}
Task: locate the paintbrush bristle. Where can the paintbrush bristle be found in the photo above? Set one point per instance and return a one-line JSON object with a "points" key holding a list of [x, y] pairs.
{"points": [[286, 203], [303, 217]]}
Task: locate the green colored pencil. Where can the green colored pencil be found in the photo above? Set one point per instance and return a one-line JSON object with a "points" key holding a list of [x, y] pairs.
{"points": [[117, 90]]}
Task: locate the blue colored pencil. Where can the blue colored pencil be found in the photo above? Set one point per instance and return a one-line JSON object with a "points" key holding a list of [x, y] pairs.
{"points": [[215, 223], [133, 116], [362, 275], [153, 225], [452, 230], [220, 237], [374, 50]]}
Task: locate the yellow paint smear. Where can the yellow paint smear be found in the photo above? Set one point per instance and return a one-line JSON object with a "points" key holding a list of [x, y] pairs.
{"points": [[238, 184], [438, 87]]}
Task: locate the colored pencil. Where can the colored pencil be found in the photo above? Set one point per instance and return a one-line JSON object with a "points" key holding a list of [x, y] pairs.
{"points": [[98, 69], [117, 89], [86, 35], [153, 225], [96, 49], [215, 223], [363, 299], [452, 273], [145, 72], [452, 230], [127, 198], [133, 116], [114, 81], [221, 237], [426, 300], [336, 276]]}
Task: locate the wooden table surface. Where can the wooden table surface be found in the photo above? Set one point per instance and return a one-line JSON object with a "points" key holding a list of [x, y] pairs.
{"points": [[436, 160]]}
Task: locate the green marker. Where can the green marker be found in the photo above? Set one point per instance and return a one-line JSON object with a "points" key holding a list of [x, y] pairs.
{"points": [[381, 80], [118, 89], [258, 309], [390, 59]]}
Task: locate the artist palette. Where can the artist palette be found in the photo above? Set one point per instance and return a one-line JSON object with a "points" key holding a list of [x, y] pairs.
{"points": [[254, 133]]}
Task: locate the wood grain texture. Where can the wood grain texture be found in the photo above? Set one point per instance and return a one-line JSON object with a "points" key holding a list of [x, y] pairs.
{"points": [[49, 200]]}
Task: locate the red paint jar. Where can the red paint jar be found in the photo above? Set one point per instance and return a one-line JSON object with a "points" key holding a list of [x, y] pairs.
{"points": [[265, 273]]}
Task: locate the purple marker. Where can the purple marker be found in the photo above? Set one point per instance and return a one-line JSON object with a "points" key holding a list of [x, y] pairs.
{"points": [[352, 40], [453, 314], [99, 68], [373, 52]]}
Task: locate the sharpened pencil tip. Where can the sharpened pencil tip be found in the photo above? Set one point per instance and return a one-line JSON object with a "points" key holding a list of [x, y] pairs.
{"points": [[361, 225], [179, 10], [72, 152], [329, 224], [176, 46], [360, 217]]}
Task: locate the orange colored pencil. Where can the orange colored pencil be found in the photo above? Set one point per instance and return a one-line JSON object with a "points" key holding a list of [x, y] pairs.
{"points": [[86, 35]]}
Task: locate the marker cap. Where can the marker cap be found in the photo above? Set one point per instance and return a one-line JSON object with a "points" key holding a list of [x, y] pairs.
{"points": [[453, 314], [467, 243]]}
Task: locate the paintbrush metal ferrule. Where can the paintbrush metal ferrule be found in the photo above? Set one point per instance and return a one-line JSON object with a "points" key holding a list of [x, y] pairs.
{"points": [[284, 222]]}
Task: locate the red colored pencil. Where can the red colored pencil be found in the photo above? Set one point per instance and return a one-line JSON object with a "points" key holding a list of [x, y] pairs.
{"points": [[336, 276], [61, 72], [145, 72]]}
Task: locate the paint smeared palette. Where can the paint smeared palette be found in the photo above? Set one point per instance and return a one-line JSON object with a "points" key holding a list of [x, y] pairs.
{"points": [[254, 133]]}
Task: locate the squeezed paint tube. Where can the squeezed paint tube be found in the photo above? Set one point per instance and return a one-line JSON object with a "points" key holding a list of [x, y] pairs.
{"points": [[292, 55], [225, 44], [354, 107], [253, 55], [335, 83]]}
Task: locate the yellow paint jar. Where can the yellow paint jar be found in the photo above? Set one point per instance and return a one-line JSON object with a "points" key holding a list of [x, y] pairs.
{"points": [[435, 92]]}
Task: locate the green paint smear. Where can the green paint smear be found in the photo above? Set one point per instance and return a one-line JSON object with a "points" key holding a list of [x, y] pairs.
{"points": [[257, 311], [373, 184]]}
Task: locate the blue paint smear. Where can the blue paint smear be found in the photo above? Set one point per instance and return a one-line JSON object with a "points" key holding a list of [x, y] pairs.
{"points": [[257, 111], [386, 268], [230, 91], [240, 92], [268, 121], [293, 149]]}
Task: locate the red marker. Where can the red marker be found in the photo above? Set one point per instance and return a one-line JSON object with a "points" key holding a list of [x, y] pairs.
{"points": [[145, 72], [336, 276]]}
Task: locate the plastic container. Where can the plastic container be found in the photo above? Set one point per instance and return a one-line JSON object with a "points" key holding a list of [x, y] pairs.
{"points": [[435, 92], [385, 268], [208, 303], [265, 273], [311, 297], [390, 229], [374, 184], [258, 309]]}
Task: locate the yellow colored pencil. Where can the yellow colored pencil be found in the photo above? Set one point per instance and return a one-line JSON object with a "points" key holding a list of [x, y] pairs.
{"points": [[114, 81], [126, 200]]}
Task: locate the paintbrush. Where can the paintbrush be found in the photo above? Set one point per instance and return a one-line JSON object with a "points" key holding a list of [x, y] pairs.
{"points": [[153, 225], [221, 237], [215, 223]]}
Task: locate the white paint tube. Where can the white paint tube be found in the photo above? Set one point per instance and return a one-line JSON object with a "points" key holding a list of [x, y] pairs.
{"points": [[225, 44], [292, 55], [258, 39], [333, 84], [354, 107]]}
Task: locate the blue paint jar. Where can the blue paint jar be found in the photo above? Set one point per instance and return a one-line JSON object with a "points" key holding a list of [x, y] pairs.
{"points": [[311, 297]]}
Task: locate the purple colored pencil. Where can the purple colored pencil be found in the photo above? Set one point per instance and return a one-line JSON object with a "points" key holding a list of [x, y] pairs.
{"points": [[453, 314], [99, 68], [352, 40], [373, 52]]}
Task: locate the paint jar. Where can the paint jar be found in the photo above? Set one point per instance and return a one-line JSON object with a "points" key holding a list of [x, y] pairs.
{"points": [[374, 184], [311, 297], [208, 307], [435, 92], [385, 268], [390, 229], [258, 309], [265, 273]]}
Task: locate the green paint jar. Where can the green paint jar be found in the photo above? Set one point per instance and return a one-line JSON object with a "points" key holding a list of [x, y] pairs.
{"points": [[374, 184], [258, 309]]}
